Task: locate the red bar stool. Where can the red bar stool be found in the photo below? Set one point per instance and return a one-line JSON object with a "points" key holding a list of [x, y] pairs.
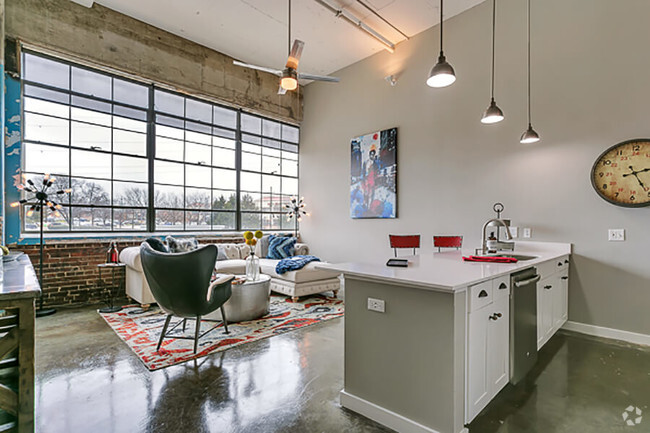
{"points": [[404, 241], [447, 242]]}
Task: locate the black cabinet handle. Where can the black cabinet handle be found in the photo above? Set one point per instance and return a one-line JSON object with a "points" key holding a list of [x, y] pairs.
{"points": [[503, 286], [565, 278], [548, 287], [482, 294], [559, 263], [566, 261]]}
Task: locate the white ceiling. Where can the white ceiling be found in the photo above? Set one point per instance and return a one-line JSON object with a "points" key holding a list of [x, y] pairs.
{"points": [[255, 31]]}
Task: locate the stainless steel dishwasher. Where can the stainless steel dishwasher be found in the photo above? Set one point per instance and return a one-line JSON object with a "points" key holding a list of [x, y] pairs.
{"points": [[523, 323]]}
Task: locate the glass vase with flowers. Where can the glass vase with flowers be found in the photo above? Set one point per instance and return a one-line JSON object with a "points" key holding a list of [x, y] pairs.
{"points": [[252, 261]]}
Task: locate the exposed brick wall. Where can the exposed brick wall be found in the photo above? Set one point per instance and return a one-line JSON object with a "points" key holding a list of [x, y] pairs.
{"points": [[70, 267]]}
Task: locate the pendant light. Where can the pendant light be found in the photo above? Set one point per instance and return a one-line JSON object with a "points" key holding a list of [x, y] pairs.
{"points": [[493, 113], [442, 74], [529, 136]]}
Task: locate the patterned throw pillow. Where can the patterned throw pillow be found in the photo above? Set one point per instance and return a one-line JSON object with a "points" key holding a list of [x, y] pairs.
{"points": [[157, 244], [221, 254], [262, 247], [181, 245], [280, 247]]}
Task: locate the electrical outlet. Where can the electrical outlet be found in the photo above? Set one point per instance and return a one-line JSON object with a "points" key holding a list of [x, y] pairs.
{"points": [[528, 232], [378, 305], [617, 235]]}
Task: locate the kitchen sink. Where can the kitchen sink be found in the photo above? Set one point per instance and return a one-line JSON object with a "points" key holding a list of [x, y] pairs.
{"points": [[519, 257]]}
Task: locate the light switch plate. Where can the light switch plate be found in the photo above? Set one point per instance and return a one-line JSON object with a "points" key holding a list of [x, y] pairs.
{"points": [[377, 305], [616, 235]]}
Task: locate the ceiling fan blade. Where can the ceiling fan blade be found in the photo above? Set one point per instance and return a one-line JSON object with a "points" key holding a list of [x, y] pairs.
{"points": [[319, 78], [294, 55], [282, 90], [258, 68]]}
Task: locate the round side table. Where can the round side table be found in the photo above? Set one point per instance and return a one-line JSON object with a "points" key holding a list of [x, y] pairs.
{"points": [[117, 284], [249, 301]]}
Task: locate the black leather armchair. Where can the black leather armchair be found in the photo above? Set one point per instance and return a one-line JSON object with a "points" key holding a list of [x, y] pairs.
{"points": [[180, 283]]}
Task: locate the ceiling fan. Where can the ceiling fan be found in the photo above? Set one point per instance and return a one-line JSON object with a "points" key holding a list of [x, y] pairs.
{"points": [[289, 76]]}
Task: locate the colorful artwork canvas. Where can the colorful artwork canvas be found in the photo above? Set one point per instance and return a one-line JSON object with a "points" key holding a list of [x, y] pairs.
{"points": [[373, 184]]}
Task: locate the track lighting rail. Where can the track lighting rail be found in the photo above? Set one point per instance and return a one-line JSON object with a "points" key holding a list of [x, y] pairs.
{"points": [[354, 20]]}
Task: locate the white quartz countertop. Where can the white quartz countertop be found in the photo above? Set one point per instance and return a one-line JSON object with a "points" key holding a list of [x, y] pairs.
{"points": [[447, 271]]}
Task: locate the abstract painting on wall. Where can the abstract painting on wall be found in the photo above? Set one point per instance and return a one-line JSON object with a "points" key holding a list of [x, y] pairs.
{"points": [[373, 183]]}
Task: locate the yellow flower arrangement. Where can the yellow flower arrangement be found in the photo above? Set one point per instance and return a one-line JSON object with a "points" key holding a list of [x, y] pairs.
{"points": [[251, 238]]}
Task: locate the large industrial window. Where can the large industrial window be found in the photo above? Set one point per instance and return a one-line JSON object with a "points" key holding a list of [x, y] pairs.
{"points": [[141, 158]]}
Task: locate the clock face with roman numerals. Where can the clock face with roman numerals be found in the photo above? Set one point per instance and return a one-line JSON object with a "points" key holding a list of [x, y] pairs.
{"points": [[621, 175]]}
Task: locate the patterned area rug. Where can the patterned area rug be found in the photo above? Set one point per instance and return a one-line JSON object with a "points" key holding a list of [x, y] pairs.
{"points": [[141, 329]]}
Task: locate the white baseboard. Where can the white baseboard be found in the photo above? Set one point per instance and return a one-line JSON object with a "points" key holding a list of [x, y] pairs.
{"points": [[600, 331], [384, 416]]}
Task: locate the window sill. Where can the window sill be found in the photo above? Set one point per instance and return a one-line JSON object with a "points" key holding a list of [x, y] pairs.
{"points": [[34, 238]]}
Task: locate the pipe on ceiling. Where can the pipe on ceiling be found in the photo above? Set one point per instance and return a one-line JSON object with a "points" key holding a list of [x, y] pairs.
{"points": [[352, 19]]}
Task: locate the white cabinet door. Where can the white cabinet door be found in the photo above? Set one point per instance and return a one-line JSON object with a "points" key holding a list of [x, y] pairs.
{"points": [[488, 347], [478, 389], [564, 290], [544, 310], [558, 303], [498, 344]]}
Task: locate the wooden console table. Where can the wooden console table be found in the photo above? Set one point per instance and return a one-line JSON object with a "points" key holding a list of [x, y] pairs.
{"points": [[17, 293]]}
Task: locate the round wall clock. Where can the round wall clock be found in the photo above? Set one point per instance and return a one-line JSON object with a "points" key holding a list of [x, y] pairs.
{"points": [[621, 174]]}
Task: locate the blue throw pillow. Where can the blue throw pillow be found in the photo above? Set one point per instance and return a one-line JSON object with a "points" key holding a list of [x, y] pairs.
{"points": [[280, 247]]}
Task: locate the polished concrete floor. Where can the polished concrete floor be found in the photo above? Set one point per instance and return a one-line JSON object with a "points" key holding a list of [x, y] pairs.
{"points": [[88, 380], [580, 384]]}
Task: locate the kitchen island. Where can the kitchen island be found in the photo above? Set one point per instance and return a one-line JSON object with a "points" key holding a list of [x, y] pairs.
{"points": [[439, 351]]}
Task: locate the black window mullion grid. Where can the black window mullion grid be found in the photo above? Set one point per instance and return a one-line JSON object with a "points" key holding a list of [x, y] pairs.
{"points": [[70, 216], [238, 162], [112, 200], [211, 169], [150, 150], [184, 164], [151, 153]]}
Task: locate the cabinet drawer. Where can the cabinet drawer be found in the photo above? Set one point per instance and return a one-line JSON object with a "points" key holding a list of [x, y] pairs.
{"points": [[480, 295], [550, 267], [500, 287]]}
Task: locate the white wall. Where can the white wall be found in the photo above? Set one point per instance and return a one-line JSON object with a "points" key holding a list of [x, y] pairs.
{"points": [[591, 89]]}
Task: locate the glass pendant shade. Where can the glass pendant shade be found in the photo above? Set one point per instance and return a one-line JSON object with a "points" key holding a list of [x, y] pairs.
{"points": [[530, 136], [289, 80], [493, 114], [289, 83], [442, 74]]}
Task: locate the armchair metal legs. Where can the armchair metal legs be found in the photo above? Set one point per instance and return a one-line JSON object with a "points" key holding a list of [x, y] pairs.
{"points": [[197, 329], [162, 334], [225, 322]]}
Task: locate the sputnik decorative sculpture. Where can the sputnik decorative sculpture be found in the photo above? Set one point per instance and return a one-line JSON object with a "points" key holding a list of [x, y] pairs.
{"points": [[295, 210], [39, 200]]}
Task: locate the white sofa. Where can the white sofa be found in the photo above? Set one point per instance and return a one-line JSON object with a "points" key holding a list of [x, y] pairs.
{"points": [[305, 281]]}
